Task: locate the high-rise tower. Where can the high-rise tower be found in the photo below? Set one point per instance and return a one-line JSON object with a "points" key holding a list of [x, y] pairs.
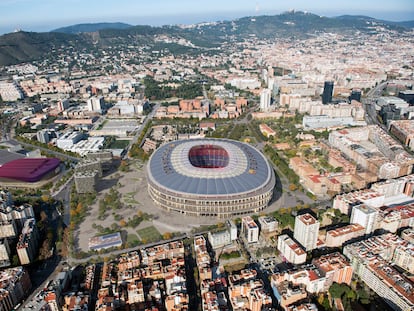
{"points": [[265, 100], [355, 95], [306, 231], [327, 92]]}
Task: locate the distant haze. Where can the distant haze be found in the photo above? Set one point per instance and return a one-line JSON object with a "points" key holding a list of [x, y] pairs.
{"points": [[45, 15]]}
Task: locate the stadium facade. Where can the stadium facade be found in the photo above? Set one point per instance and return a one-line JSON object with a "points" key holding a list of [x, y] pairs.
{"points": [[210, 177]]}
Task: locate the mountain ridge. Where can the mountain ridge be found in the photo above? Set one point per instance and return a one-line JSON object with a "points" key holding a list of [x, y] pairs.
{"points": [[27, 46], [91, 27]]}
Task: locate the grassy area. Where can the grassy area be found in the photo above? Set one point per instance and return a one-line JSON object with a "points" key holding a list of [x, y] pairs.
{"points": [[119, 144], [236, 266], [149, 234], [132, 238], [129, 198], [137, 165]]}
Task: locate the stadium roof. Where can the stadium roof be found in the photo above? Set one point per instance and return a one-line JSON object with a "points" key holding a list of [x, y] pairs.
{"points": [[245, 170], [28, 169]]}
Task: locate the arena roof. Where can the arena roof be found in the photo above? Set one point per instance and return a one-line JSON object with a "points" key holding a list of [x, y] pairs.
{"points": [[28, 169], [209, 167]]}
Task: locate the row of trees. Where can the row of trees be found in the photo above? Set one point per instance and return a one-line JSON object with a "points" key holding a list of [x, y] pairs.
{"points": [[136, 151], [281, 164], [47, 146]]}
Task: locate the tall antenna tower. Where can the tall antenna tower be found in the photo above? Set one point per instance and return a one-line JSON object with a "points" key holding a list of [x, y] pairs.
{"points": [[257, 8]]}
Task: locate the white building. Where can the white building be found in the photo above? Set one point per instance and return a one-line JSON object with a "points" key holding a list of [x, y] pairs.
{"points": [[67, 140], [128, 108], [250, 229], [28, 241], [231, 226], [306, 231], [365, 216], [404, 257], [10, 91], [291, 250], [4, 253], [95, 104], [268, 224], [245, 83], [318, 122], [43, 136], [219, 239], [92, 144], [265, 100]]}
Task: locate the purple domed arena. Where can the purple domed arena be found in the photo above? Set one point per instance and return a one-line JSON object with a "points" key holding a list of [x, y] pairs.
{"points": [[29, 169]]}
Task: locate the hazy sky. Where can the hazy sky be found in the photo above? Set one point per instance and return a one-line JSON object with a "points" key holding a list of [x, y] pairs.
{"points": [[45, 15]]}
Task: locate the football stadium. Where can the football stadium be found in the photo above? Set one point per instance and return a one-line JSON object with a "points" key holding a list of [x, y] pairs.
{"points": [[210, 177]]}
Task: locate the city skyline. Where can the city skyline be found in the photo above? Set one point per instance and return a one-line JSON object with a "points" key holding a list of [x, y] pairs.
{"points": [[46, 15]]}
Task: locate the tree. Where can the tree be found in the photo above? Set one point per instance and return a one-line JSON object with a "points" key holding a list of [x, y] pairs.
{"points": [[320, 298], [363, 296], [326, 304], [124, 167], [79, 208], [337, 290], [49, 234], [43, 216], [292, 187], [351, 295], [45, 198], [15, 260], [44, 251], [167, 236], [114, 226]]}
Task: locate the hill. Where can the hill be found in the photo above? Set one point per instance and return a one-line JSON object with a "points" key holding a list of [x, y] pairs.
{"points": [[18, 47], [406, 24], [296, 24], [26, 46], [92, 27], [361, 18]]}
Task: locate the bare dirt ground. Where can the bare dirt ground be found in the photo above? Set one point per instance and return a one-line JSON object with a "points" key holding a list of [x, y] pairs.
{"points": [[132, 186]]}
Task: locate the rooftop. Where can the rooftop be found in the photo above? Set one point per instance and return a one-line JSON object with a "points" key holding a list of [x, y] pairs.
{"points": [[105, 241], [346, 230], [307, 219]]}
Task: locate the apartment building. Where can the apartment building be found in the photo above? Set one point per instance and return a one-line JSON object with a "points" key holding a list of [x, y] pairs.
{"points": [[337, 237], [306, 231], [371, 260], [291, 251], [249, 229]]}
